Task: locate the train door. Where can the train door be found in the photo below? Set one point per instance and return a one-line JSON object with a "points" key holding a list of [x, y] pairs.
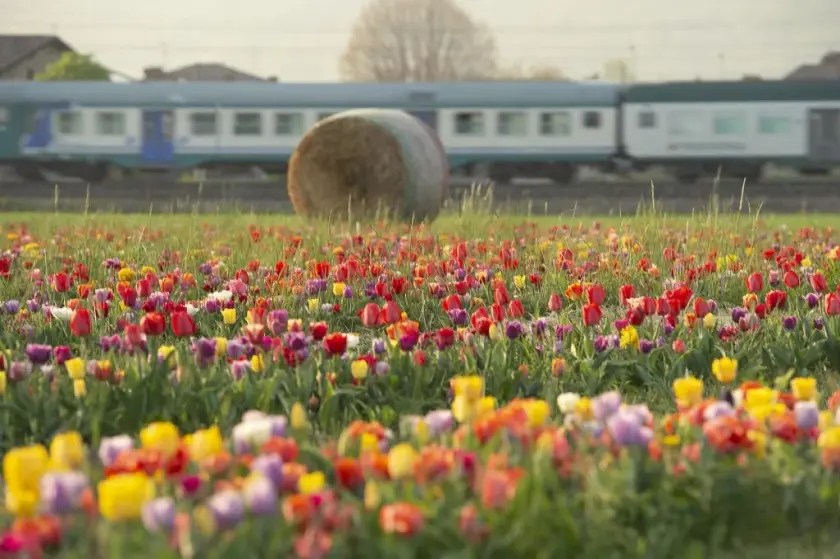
{"points": [[37, 133], [429, 118], [158, 131], [824, 135]]}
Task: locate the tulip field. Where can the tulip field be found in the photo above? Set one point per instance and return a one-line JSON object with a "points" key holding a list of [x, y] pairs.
{"points": [[485, 387]]}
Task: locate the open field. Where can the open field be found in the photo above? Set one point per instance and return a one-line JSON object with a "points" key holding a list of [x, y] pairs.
{"points": [[585, 197], [644, 386]]}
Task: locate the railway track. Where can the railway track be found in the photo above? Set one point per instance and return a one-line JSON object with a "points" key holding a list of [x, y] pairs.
{"points": [[778, 195]]}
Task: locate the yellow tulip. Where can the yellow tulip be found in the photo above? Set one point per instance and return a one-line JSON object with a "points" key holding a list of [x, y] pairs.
{"points": [[804, 388], [126, 274], [75, 368], [22, 503], [79, 388], [311, 483], [24, 466], [67, 451], [470, 387], [229, 316], [725, 369], [401, 461], [359, 369], [206, 443], [121, 497], [221, 346], [338, 289], [162, 436], [537, 411], [688, 391]]}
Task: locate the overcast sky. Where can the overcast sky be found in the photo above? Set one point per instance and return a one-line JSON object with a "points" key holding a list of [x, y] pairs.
{"points": [[301, 41]]}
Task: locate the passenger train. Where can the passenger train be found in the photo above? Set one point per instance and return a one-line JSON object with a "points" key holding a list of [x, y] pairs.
{"points": [[88, 130]]}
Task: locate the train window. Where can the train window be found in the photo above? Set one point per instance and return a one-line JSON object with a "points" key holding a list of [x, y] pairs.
{"points": [[4, 115], [647, 119], [592, 119], [469, 124], [69, 123], [773, 125], [247, 124], [110, 123], [288, 124], [555, 124], [687, 123], [510, 123], [729, 124], [203, 124]]}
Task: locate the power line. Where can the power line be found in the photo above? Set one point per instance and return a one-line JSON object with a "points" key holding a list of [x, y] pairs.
{"points": [[740, 51], [227, 27]]}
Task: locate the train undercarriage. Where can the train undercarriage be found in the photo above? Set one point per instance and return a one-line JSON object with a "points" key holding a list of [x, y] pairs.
{"points": [[501, 172]]}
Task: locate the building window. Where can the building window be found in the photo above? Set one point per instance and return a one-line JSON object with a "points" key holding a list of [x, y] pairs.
{"points": [[647, 119], [110, 124], [247, 124], [730, 124], [69, 123], [469, 124], [555, 124], [592, 119], [773, 125], [288, 124], [512, 124], [203, 124]]}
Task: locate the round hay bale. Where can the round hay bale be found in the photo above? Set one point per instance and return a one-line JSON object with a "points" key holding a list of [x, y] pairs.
{"points": [[358, 163]]}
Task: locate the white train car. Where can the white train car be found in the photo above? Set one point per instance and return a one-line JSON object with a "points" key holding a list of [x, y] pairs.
{"points": [[695, 128], [546, 129]]}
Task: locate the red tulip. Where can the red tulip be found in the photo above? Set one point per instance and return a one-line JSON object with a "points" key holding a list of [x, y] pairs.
{"points": [[592, 314], [370, 315], [451, 302], [153, 323], [143, 287], [625, 292], [755, 282], [515, 309], [832, 304], [318, 330], [701, 307], [182, 324], [775, 299], [818, 283], [555, 303], [791, 279], [335, 344], [61, 282], [391, 313], [80, 323], [596, 294]]}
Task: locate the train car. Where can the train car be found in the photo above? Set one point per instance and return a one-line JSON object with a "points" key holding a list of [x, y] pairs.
{"points": [[695, 128], [87, 129]]}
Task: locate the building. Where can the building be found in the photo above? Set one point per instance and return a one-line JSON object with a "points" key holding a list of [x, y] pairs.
{"points": [[203, 72], [827, 69], [22, 57]]}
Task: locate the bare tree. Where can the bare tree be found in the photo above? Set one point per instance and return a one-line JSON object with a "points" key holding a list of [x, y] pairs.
{"points": [[537, 73], [416, 41]]}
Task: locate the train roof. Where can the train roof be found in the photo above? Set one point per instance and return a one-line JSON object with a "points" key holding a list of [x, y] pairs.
{"points": [[238, 94], [711, 92]]}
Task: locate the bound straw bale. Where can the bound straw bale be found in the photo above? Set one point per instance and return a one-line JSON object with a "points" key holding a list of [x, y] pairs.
{"points": [[362, 162]]}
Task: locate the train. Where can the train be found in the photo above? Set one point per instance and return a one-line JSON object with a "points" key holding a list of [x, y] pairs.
{"points": [[94, 131]]}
